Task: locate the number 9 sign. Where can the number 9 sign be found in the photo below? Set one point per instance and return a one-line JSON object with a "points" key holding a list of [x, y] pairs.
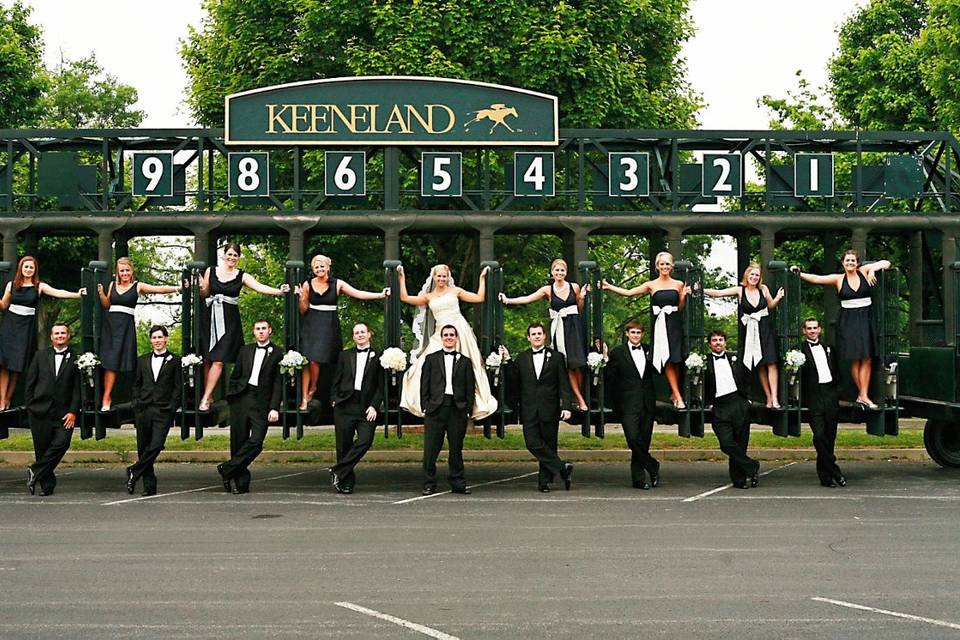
{"points": [[153, 174], [248, 174]]}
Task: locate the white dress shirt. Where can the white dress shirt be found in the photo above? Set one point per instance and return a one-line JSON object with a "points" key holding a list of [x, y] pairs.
{"points": [[538, 358], [820, 359], [58, 360], [448, 363], [258, 357], [156, 363], [723, 376], [639, 358], [362, 357]]}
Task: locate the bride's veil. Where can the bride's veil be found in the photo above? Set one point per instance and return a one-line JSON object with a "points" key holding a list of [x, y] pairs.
{"points": [[423, 323]]}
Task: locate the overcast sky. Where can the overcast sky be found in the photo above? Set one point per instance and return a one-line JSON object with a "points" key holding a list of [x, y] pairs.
{"points": [[743, 49]]}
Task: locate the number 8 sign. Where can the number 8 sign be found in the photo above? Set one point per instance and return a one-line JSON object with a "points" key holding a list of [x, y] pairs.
{"points": [[153, 174], [248, 174]]}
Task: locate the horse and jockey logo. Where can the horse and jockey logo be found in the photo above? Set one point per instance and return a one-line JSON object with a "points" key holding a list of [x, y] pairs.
{"points": [[497, 114]]}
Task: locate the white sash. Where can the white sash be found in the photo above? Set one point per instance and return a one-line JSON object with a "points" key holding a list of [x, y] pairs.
{"points": [[855, 303], [218, 325], [323, 307], [556, 326], [119, 308], [22, 310], [661, 343], [752, 351]]}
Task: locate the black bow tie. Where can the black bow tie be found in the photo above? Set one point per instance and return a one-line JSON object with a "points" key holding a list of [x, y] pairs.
{"points": [[60, 353], [452, 354], [359, 350], [639, 347], [538, 352], [814, 344], [160, 355], [266, 346], [716, 357]]}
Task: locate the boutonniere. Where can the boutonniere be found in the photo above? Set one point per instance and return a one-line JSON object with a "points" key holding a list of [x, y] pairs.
{"points": [[168, 358], [372, 354], [548, 354], [269, 350], [66, 355], [733, 358]]}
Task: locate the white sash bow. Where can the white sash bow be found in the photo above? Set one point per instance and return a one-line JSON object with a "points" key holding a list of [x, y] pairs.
{"points": [[752, 351], [218, 325], [661, 343], [556, 326], [119, 308], [22, 310], [323, 307], [855, 303]]}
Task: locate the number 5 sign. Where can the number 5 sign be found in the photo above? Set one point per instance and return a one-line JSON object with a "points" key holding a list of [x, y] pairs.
{"points": [[248, 174], [722, 175]]}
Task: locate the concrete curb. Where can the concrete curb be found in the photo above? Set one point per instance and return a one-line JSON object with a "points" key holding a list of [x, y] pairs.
{"points": [[24, 458]]}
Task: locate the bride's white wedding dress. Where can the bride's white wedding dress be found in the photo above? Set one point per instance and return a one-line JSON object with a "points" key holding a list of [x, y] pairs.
{"points": [[446, 310]]}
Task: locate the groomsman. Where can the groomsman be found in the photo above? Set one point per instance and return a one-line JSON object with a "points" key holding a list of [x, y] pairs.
{"points": [[156, 397], [540, 376], [53, 403], [357, 393], [629, 376], [254, 394], [446, 396], [725, 389], [818, 388]]}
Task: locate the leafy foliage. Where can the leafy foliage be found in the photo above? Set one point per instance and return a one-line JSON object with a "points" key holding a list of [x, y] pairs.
{"points": [[22, 76]]}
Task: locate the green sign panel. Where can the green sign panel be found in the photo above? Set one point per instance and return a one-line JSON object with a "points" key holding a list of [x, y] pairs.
{"points": [[152, 174], [345, 173], [813, 175], [441, 174], [533, 174], [629, 174], [391, 111], [722, 175], [248, 174]]}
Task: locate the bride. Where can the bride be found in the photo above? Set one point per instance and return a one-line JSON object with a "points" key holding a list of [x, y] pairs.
{"points": [[439, 302]]}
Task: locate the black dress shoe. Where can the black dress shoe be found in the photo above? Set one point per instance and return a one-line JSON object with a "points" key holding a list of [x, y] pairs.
{"points": [[543, 488], [742, 485], [655, 479], [131, 481], [840, 480], [827, 483], [149, 492], [46, 492], [641, 484], [345, 490], [429, 491], [31, 481], [461, 490], [567, 475], [335, 481], [226, 481], [755, 477], [237, 489]]}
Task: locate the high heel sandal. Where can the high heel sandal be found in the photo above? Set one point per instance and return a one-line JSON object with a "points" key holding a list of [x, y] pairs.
{"points": [[867, 405], [679, 404], [204, 406]]}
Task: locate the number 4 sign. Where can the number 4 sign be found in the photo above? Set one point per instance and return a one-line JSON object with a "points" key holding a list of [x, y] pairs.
{"points": [[533, 174]]}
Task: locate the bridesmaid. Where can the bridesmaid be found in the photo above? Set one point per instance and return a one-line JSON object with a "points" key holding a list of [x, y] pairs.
{"points": [[758, 339], [856, 337], [566, 325], [118, 336], [320, 330], [667, 299], [18, 329], [221, 287]]}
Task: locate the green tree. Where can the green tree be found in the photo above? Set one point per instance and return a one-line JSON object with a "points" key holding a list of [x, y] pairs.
{"points": [[22, 76], [940, 48], [81, 94], [613, 63]]}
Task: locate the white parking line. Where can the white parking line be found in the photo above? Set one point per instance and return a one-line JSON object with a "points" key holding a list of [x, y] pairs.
{"points": [[895, 614], [473, 486], [427, 631], [178, 493], [705, 494]]}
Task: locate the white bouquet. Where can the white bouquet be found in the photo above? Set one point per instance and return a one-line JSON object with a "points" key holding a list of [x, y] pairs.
{"points": [[292, 361], [88, 362], [393, 358], [495, 361], [695, 362], [191, 360], [793, 360], [596, 361]]}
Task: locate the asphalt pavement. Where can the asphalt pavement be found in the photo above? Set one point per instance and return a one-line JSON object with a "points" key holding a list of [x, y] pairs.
{"points": [[693, 558]]}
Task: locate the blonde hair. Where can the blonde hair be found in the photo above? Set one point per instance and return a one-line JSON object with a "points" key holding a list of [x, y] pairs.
{"points": [[433, 269], [746, 272], [321, 258], [124, 260], [669, 258], [559, 261]]}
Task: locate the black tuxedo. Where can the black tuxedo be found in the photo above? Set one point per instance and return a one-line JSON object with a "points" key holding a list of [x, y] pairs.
{"points": [[635, 400], [349, 411], [541, 400], [731, 418], [49, 397], [249, 406], [823, 401], [445, 415], [155, 404]]}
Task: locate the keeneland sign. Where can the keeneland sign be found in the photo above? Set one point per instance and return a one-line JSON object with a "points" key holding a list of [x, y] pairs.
{"points": [[391, 110]]}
